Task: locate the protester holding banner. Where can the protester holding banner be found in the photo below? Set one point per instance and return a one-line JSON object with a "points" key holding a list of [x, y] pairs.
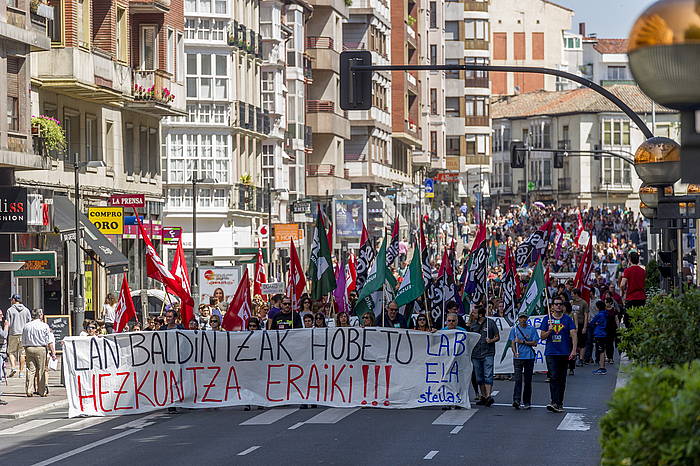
{"points": [[484, 352], [523, 338], [171, 321], [559, 331], [285, 318]]}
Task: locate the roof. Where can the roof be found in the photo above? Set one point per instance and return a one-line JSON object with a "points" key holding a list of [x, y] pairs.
{"points": [[560, 6], [581, 100], [611, 45]]}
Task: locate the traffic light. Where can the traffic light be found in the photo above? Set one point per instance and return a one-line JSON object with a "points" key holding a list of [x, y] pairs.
{"points": [[355, 86], [517, 154], [559, 159]]}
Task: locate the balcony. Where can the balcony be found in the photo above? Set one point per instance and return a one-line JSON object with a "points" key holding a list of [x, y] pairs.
{"points": [[323, 117], [474, 120], [477, 82], [411, 82], [249, 198], [251, 118], [564, 144], [322, 169], [476, 44], [322, 53], [612, 82], [341, 6], [471, 5], [149, 6], [473, 159], [167, 98], [564, 184], [308, 73]]}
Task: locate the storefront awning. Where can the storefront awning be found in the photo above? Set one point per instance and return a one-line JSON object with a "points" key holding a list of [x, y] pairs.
{"points": [[106, 253]]}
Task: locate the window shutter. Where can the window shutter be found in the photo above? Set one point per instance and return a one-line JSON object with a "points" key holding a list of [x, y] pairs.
{"points": [[149, 48], [14, 64]]}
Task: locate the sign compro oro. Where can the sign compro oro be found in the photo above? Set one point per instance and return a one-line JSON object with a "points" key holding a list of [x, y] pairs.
{"points": [[109, 220]]}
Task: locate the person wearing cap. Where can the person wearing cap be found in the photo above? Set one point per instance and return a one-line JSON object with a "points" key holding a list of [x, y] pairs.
{"points": [[17, 317], [523, 337]]}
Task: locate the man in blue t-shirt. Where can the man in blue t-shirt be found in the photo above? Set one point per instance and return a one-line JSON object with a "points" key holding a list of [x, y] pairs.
{"points": [[600, 335], [559, 331], [523, 339]]}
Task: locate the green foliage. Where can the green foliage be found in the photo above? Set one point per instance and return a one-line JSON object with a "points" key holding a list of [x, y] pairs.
{"points": [[654, 419], [653, 279], [50, 129], [348, 2], [665, 331]]}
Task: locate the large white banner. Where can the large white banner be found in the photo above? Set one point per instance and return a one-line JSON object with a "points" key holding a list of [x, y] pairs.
{"points": [[382, 367], [504, 365]]}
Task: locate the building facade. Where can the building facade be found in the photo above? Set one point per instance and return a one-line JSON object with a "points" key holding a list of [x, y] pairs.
{"points": [[605, 61], [576, 120]]}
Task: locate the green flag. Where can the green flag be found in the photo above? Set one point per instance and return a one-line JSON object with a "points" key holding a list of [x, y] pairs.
{"points": [[532, 300], [493, 256], [412, 285], [320, 268]]}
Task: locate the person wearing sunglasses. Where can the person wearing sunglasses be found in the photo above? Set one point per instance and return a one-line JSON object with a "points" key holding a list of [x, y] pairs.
{"points": [[286, 318], [422, 324], [367, 319], [320, 320], [215, 323], [253, 324], [559, 331]]}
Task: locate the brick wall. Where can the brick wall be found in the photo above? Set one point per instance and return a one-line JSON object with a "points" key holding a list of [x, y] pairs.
{"points": [[103, 26]]}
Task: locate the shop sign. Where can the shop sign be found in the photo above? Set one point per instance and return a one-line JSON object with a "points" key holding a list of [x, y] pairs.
{"points": [[109, 220], [127, 200], [171, 235], [37, 264], [286, 231], [13, 210]]}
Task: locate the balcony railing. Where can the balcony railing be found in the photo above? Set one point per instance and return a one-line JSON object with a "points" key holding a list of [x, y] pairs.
{"points": [[477, 82], [323, 169], [564, 144], [476, 44], [411, 79], [320, 106], [473, 120], [355, 157], [253, 118], [471, 5], [350, 45], [319, 42], [249, 198]]}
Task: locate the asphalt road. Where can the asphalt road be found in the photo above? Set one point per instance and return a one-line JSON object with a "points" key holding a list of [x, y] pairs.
{"points": [[498, 435]]}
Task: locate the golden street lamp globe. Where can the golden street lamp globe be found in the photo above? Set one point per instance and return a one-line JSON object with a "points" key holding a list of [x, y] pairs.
{"points": [[657, 161], [647, 211], [664, 52], [649, 194]]}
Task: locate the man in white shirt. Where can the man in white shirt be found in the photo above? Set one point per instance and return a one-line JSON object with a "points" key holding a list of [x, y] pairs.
{"points": [[37, 339]]}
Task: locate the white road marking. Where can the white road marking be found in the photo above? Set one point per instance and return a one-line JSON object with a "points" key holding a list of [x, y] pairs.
{"points": [[269, 417], [33, 424], [89, 446], [249, 450], [431, 454], [539, 406], [141, 422], [454, 417], [331, 415], [82, 424], [456, 430], [296, 426], [574, 422], [495, 393]]}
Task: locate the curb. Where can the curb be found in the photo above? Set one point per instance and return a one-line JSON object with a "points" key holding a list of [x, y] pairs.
{"points": [[622, 375], [37, 410]]}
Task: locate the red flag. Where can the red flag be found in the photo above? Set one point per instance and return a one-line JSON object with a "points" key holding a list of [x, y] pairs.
{"points": [[329, 236], [260, 276], [179, 271], [579, 228], [351, 273], [479, 238], [445, 266], [546, 277], [240, 308], [297, 280], [125, 310], [156, 270], [583, 273]]}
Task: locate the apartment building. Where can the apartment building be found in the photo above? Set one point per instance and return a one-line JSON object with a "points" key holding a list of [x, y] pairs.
{"points": [[578, 120], [530, 33], [214, 153], [466, 101], [114, 69], [605, 60], [326, 173], [433, 154]]}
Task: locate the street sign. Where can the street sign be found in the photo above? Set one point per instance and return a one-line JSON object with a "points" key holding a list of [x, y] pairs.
{"points": [[263, 230], [447, 177], [301, 207], [171, 235], [37, 264], [109, 220], [429, 188], [530, 185], [272, 288], [286, 231], [127, 200]]}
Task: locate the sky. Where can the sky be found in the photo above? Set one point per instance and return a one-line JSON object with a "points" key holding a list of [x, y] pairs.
{"points": [[610, 19]]}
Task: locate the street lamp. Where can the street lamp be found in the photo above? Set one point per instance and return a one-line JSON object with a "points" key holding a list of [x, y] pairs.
{"points": [[195, 265], [78, 300]]}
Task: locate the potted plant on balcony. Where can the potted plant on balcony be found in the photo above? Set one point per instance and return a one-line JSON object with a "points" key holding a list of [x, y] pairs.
{"points": [[50, 130], [411, 21], [166, 96], [246, 179]]}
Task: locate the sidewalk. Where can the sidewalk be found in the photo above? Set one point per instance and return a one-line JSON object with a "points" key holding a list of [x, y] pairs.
{"points": [[19, 405]]}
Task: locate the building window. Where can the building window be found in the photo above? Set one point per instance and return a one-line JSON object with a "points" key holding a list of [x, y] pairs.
{"points": [[179, 57], [540, 134], [452, 30], [83, 22], [476, 144], [122, 36], [476, 61], [220, 7], [14, 66], [268, 165], [91, 148], [170, 65], [433, 54], [149, 48], [190, 28], [55, 25], [71, 126], [433, 15], [433, 144], [476, 29], [617, 73], [452, 145], [433, 101], [452, 106], [616, 172], [616, 132], [477, 106], [454, 74]]}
